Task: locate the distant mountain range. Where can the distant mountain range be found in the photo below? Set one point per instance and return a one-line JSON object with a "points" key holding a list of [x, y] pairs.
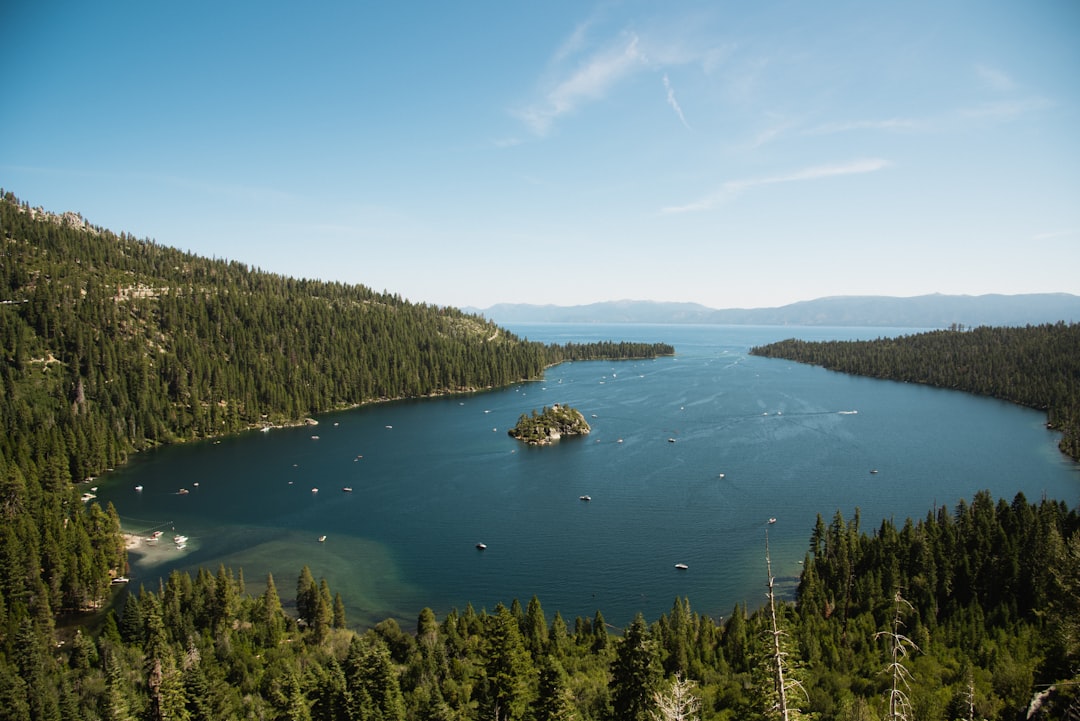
{"points": [[924, 311]]}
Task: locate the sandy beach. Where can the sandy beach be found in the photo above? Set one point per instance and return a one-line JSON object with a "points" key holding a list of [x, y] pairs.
{"points": [[145, 553]]}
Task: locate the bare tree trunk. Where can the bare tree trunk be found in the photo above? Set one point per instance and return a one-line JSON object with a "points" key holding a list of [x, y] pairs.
{"points": [[778, 654]]}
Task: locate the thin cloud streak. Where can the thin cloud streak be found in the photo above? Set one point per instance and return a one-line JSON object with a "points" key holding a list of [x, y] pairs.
{"points": [[994, 78], [892, 124], [990, 111], [1056, 235], [673, 102], [590, 82], [733, 187]]}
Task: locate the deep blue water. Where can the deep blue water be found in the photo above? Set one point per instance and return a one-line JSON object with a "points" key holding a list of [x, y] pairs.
{"points": [[754, 439]]}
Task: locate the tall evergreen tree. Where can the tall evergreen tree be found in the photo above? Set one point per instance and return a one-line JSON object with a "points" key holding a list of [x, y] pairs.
{"points": [[554, 700], [507, 668], [635, 674]]}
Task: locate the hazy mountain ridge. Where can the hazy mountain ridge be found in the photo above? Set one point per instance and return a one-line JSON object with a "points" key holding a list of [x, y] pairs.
{"points": [[924, 311]]}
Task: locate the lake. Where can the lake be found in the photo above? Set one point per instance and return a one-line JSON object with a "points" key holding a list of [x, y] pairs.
{"points": [[688, 460]]}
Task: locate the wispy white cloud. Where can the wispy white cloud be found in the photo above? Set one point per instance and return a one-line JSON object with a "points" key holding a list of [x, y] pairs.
{"points": [[778, 126], [955, 119], [673, 102], [574, 43], [508, 142], [995, 79], [1056, 235], [589, 82], [888, 124], [1004, 109], [818, 172]]}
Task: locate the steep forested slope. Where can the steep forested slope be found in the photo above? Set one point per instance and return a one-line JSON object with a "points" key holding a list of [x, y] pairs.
{"points": [[985, 599], [110, 344], [1036, 366]]}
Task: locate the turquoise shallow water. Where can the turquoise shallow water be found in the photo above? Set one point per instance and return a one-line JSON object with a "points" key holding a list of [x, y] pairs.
{"points": [[688, 460]]}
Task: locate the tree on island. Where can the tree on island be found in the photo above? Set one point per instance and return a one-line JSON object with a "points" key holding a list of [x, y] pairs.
{"points": [[550, 425]]}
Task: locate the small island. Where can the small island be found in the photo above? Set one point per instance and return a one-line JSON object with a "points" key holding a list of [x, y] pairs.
{"points": [[550, 425]]}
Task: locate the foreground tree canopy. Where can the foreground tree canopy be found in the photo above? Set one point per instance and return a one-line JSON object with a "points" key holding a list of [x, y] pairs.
{"points": [[111, 344]]}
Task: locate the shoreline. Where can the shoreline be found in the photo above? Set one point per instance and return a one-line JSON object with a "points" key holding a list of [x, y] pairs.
{"points": [[146, 554]]}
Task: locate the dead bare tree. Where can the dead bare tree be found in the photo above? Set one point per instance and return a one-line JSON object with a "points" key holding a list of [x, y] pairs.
{"points": [[780, 683], [899, 645], [678, 703]]}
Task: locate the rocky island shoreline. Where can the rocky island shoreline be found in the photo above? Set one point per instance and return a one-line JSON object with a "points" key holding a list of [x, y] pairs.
{"points": [[550, 425]]}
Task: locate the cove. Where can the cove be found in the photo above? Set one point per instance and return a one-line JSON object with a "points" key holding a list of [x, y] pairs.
{"points": [[688, 460]]}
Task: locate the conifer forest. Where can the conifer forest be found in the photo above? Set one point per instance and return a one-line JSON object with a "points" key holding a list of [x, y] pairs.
{"points": [[110, 345]]}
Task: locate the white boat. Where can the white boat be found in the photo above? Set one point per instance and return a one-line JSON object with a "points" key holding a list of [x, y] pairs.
{"points": [[138, 488], [772, 520], [183, 492], [681, 566], [585, 498], [322, 539], [314, 490], [180, 540], [670, 440], [347, 489], [481, 546]]}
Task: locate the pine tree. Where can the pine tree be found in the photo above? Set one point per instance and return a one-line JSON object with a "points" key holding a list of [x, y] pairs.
{"points": [[272, 620], [297, 706], [115, 704], [635, 674], [534, 628], [307, 596], [339, 611], [507, 667], [372, 681], [554, 700]]}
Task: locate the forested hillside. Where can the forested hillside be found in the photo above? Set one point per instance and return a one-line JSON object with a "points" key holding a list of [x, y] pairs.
{"points": [[983, 601], [1036, 366], [110, 344]]}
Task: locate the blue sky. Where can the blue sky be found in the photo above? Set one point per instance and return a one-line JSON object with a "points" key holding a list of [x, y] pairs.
{"points": [[727, 153]]}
